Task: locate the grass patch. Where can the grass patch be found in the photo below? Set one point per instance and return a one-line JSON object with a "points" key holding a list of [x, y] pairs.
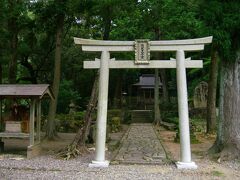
{"points": [[199, 153], [217, 173]]}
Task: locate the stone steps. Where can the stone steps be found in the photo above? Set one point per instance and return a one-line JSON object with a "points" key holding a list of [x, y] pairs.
{"points": [[141, 116]]}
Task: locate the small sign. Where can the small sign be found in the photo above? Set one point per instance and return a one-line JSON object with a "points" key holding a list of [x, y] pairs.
{"points": [[13, 127], [142, 51]]}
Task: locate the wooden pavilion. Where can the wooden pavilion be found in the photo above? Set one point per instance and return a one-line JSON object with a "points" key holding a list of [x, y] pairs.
{"points": [[145, 90], [34, 92]]}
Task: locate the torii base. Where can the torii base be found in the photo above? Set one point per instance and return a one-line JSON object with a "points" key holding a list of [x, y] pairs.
{"points": [[183, 165], [99, 164]]}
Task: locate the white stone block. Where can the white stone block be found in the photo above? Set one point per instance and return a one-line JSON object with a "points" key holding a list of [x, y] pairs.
{"points": [[99, 164], [184, 165]]}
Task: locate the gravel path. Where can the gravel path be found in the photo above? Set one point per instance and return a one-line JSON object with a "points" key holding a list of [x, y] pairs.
{"points": [[140, 145], [47, 167]]}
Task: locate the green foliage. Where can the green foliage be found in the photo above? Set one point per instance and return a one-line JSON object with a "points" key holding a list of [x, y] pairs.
{"points": [[114, 119], [114, 113], [69, 122], [171, 119], [222, 20], [200, 124], [115, 124], [127, 118], [67, 94]]}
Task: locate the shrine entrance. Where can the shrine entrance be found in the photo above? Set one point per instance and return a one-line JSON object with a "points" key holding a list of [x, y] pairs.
{"points": [[142, 50]]}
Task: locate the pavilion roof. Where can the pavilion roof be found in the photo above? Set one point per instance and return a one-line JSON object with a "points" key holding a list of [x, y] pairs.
{"points": [[25, 91], [147, 81]]}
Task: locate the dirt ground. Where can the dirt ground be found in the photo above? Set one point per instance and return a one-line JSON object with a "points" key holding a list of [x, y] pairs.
{"points": [[18, 146], [207, 165]]}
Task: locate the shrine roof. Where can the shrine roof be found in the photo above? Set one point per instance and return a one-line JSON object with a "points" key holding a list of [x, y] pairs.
{"points": [[25, 91], [147, 81]]}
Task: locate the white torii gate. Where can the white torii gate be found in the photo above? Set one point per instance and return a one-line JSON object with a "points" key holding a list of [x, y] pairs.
{"points": [[142, 50]]}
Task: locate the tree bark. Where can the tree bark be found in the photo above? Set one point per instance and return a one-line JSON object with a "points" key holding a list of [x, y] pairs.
{"points": [[13, 31], [118, 91], [107, 24], [228, 136], [51, 131], [163, 76], [32, 78], [1, 73], [1, 77], [212, 89], [157, 114]]}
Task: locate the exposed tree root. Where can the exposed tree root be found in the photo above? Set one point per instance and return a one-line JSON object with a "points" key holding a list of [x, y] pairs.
{"points": [[230, 153], [72, 151]]}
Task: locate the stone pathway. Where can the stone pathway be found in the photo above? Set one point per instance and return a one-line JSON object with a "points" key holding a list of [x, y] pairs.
{"points": [[140, 145]]}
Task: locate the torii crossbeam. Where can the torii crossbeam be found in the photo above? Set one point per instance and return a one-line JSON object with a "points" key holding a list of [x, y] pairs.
{"points": [[142, 50]]}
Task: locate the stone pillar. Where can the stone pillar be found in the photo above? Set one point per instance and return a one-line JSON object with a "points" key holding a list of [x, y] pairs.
{"points": [[102, 112], [185, 161]]}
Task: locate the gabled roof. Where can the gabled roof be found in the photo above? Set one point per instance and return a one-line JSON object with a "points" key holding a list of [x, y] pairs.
{"points": [[25, 90], [147, 81]]}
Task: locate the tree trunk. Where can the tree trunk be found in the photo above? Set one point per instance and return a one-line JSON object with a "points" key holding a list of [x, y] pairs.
{"points": [[228, 139], [51, 131], [13, 31], [1, 77], [32, 78], [157, 114], [107, 25], [1, 73], [82, 133], [212, 89], [118, 91], [163, 76]]}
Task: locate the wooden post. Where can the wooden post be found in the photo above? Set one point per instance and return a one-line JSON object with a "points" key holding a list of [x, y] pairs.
{"points": [[32, 119], [39, 120], [157, 115], [1, 123], [1, 127]]}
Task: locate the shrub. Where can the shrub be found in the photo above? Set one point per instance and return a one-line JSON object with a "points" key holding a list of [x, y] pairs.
{"points": [[69, 122], [115, 124], [114, 119]]}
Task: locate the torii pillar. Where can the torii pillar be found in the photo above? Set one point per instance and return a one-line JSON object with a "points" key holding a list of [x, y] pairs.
{"points": [[142, 50], [102, 112]]}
